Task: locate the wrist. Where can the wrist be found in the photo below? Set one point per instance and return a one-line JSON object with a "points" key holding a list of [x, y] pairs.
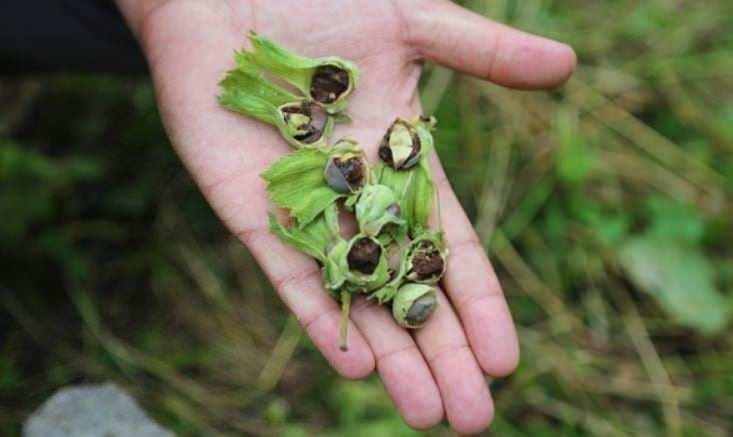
{"points": [[135, 12]]}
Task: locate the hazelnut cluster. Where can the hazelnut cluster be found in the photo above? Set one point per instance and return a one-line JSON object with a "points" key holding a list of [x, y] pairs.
{"points": [[394, 257]]}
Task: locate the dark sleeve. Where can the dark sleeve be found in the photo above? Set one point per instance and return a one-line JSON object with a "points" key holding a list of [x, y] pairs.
{"points": [[66, 35]]}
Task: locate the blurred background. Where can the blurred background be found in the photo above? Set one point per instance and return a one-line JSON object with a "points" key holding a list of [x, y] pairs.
{"points": [[606, 207]]}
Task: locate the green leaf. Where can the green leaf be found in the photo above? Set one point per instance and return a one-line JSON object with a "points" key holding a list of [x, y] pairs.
{"points": [[574, 159], [275, 59], [415, 190], [671, 218], [296, 182], [247, 79], [246, 91], [313, 239], [680, 277], [250, 94], [295, 69]]}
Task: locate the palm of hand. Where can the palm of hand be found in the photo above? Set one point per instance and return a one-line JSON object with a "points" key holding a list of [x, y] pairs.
{"points": [[439, 369]]}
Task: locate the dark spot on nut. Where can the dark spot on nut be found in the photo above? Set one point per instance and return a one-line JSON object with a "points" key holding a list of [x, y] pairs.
{"points": [[345, 175], [420, 310], [352, 169], [385, 153], [364, 255], [328, 83]]}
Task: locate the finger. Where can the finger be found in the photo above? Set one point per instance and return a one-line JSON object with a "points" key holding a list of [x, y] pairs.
{"points": [[458, 38], [465, 393], [473, 288], [401, 367], [225, 153], [297, 280]]}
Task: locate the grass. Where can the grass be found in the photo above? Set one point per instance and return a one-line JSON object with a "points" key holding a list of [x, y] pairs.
{"points": [[605, 206]]}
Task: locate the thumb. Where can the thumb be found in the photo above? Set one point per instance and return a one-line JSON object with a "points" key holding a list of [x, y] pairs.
{"points": [[455, 37]]}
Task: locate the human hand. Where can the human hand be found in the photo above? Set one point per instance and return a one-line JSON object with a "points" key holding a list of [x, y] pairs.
{"points": [[437, 370]]}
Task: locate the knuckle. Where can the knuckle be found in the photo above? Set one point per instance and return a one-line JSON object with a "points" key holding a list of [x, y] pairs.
{"points": [[249, 236], [410, 348], [309, 322], [296, 280], [449, 350]]}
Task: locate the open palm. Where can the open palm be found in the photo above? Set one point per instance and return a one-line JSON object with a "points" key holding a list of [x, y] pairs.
{"points": [[439, 369]]}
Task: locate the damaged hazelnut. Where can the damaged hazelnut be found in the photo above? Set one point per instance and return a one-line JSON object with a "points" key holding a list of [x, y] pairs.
{"points": [[328, 84], [377, 207], [347, 171], [364, 255], [414, 304], [400, 147], [426, 260], [304, 121]]}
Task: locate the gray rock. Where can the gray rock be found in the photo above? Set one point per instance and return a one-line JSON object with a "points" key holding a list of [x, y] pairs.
{"points": [[102, 410]]}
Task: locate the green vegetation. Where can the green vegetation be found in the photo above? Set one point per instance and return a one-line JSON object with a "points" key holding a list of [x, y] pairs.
{"points": [[606, 207]]}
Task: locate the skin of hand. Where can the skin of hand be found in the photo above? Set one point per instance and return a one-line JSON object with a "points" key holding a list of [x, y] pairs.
{"points": [[435, 372]]}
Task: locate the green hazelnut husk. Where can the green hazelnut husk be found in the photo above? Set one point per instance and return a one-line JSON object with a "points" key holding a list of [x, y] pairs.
{"points": [[401, 146], [357, 265], [414, 304], [327, 81], [427, 259], [304, 124], [347, 170], [301, 123], [406, 141], [365, 264], [377, 207]]}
